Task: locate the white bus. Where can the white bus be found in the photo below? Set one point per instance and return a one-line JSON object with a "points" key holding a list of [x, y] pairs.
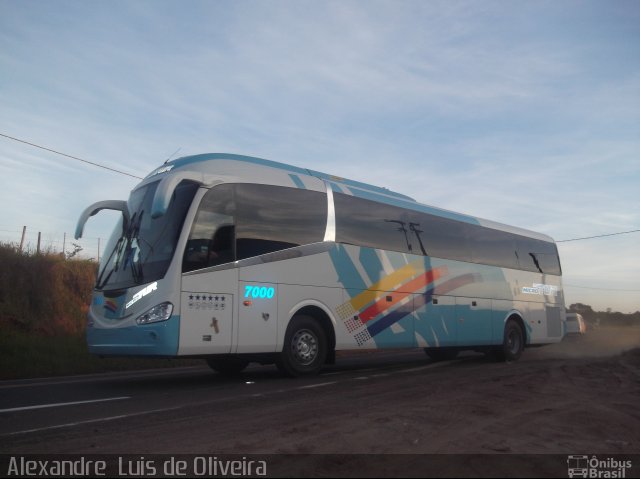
{"points": [[238, 259]]}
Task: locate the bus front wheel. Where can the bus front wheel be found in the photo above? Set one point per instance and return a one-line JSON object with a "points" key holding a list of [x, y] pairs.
{"points": [[305, 347]]}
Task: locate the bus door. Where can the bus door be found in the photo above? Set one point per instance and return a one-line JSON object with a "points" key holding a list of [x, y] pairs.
{"points": [[207, 312], [473, 317], [257, 317]]}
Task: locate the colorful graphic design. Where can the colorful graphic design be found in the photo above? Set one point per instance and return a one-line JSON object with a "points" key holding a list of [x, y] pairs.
{"points": [[114, 306], [391, 297], [111, 306]]}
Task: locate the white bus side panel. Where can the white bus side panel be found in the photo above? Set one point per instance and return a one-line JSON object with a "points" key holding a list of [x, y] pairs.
{"points": [[207, 312], [297, 282], [257, 317], [293, 298]]}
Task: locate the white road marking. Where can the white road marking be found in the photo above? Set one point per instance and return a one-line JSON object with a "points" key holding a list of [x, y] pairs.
{"points": [[60, 404], [90, 421], [310, 386], [422, 368]]}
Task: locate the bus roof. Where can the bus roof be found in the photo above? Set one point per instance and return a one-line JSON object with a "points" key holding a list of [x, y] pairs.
{"points": [[210, 169], [192, 161]]}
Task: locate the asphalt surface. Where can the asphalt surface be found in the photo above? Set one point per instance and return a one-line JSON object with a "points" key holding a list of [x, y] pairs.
{"points": [[574, 398], [34, 412]]}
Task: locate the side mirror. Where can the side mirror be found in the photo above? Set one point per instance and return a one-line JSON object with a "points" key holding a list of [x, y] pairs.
{"points": [[116, 205]]}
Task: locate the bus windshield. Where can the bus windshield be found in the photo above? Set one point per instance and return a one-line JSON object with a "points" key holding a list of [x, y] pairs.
{"points": [[142, 251]]}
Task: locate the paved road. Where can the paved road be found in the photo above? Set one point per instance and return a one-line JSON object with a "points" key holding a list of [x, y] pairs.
{"points": [[555, 400], [36, 414]]}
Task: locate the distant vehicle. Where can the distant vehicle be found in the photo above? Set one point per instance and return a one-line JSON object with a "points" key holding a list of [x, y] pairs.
{"points": [[237, 259], [574, 324]]}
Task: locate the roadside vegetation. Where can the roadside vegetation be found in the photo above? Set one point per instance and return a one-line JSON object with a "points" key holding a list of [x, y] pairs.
{"points": [[44, 300]]}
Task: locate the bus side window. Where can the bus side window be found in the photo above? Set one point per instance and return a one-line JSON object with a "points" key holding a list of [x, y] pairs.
{"points": [[212, 238], [221, 249], [538, 256], [273, 218]]}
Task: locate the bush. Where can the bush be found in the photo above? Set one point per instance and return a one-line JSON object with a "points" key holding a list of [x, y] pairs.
{"points": [[44, 294], [44, 301]]}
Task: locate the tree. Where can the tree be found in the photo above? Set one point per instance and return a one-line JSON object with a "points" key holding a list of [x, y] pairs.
{"points": [[76, 250]]}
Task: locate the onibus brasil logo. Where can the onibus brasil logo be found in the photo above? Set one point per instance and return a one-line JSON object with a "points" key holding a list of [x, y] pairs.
{"points": [[585, 466]]}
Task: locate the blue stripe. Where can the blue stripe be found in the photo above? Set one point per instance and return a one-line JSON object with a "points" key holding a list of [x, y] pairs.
{"points": [[397, 260], [188, 160], [371, 264], [357, 184], [155, 339], [348, 275], [297, 181], [386, 321], [336, 188]]}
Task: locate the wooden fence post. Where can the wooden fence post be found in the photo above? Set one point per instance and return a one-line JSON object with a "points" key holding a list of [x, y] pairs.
{"points": [[24, 232]]}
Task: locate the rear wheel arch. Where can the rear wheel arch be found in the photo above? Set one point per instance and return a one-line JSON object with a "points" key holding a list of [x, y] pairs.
{"points": [[308, 333], [517, 317], [325, 321], [514, 339]]}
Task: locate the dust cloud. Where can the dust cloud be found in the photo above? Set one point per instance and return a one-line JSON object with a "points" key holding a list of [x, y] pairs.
{"points": [[595, 343]]}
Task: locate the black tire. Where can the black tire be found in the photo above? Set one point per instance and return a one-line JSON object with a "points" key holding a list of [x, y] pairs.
{"points": [[305, 348], [437, 354], [512, 343], [229, 366]]}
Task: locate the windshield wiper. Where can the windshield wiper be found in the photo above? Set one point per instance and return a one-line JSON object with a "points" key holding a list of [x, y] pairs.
{"points": [[100, 283], [120, 252]]}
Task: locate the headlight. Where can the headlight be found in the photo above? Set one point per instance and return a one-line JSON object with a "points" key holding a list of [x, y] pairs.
{"points": [[162, 312]]}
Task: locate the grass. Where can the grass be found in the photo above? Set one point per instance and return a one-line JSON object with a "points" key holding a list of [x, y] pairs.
{"points": [[44, 300], [25, 355]]}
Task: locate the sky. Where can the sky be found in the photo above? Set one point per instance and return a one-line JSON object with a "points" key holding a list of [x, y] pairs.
{"points": [[524, 112]]}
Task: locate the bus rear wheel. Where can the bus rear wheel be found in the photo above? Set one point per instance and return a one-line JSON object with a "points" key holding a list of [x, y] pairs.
{"points": [[229, 366], [512, 344], [305, 348]]}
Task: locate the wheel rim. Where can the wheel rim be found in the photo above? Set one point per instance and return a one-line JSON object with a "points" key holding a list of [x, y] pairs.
{"points": [[304, 347], [514, 341]]}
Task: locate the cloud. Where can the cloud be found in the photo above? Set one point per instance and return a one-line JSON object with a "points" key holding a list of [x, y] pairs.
{"points": [[523, 114]]}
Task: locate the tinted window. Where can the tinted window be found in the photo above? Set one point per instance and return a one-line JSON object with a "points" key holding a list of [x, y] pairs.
{"points": [[145, 249], [493, 247], [538, 256], [444, 238], [376, 225], [211, 241], [272, 218], [368, 223]]}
